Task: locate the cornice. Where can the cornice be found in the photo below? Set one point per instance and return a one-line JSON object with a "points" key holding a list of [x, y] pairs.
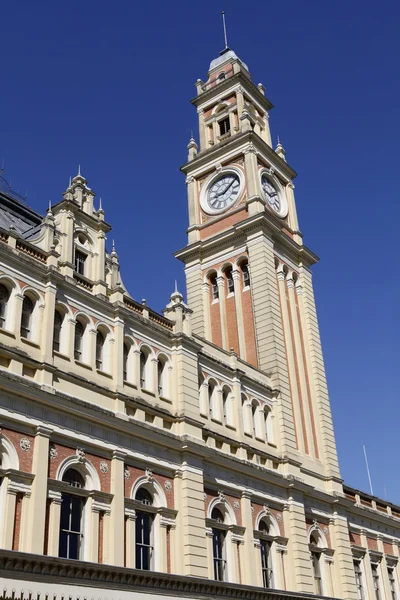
{"points": [[51, 570], [228, 83], [234, 142]]}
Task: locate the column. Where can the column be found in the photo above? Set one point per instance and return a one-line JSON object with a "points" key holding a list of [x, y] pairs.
{"points": [[153, 379], [130, 537], [384, 569], [37, 501], [91, 532], [222, 310], [54, 523], [204, 409], [189, 501], [162, 549], [16, 326], [343, 566], [117, 354], [48, 321], [9, 514], [202, 132], [249, 564], [239, 313], [206, 304], [117, 524], [290, 362], [89, 353], [269, 332], [301, 577], [250, 162]]}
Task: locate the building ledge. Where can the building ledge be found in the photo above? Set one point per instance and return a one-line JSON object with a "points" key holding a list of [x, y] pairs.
{"points": [[47, 569]]}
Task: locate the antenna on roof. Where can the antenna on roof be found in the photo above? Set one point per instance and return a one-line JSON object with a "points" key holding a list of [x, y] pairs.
{"points": [[369, 475], [224, 24]]}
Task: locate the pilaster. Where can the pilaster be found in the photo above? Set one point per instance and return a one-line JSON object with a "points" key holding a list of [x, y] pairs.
{"points": [[37, 501], [117, 524]]}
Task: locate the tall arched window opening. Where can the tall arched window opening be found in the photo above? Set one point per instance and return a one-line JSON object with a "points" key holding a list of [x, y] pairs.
{"points": [[245, 275], [144, 531], [99, 350], [316, 563], [254, 416], [71, 530], [4, 298], [214, 287], [58, 321], [218, 540], [144, 369], [229, 280], [26, 318], [78, 340], [162, 376], [125, 362], [266, 556], [212, 390]]}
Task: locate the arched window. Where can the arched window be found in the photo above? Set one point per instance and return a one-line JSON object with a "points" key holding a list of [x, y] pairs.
{"points": [[229, 280], [144, 531], [245, 275], [4, 298], [316, 563], [26, 318], [266, 555], [218, 540], [78, 340], [58, 321], [100, 350], [254, 417], [145, 382], [125, 361], [71, 530], [212, 390], [162, 374], [225, 408], [269, 434], [214, 287]]}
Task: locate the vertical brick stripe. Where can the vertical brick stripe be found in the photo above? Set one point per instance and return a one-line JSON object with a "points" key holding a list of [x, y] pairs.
{"points": [[17, 521]]}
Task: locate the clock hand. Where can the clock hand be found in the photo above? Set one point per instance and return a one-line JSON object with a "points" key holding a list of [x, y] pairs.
{"points": [[226, 189]]}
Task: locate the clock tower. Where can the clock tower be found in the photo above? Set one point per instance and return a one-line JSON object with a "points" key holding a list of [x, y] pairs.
{"points": [[247, 270]]}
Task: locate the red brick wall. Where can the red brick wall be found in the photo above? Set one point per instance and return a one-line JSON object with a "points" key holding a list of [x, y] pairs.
{"points": [[231, 322], [135, 473], [355, 538], [215, 320], [388, 548], [372, 543], [248, 326], [101, 537], [64, 452], [25, 458], [222, 224]]}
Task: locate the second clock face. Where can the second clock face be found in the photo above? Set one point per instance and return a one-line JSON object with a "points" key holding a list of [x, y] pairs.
{"points": [[271, 194], [223, 192]]}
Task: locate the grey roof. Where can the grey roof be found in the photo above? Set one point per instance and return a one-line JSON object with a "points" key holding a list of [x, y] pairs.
{"points": [[225, 55], [15, 213]]}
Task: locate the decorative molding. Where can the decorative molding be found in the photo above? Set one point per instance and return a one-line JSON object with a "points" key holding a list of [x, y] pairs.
{"points": [[127, 473], [25, 444], [52, 452], [168, 485], [103, 467], [80, 454]]}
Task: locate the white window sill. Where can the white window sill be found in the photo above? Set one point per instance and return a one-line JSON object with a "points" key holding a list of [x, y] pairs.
{"points": [[30, 342]]}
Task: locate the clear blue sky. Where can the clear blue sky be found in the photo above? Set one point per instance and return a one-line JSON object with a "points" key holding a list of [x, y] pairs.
{"points": [[108, 84]]}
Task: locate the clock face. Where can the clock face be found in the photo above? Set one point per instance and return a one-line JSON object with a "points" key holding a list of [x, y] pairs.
{"points": [[223, 192], [271, 194]]}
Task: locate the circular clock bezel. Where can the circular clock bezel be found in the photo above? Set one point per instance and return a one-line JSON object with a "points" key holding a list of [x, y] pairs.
{"points": [[210, 181], [282, 213]]}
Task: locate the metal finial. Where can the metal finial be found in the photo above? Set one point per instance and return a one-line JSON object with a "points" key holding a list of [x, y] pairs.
{"points": [[176, 285], [70, 181], [49, 209], [113, 245], [225, 37], [79, 170], [101, 205], [191, 134], [279, 140]]}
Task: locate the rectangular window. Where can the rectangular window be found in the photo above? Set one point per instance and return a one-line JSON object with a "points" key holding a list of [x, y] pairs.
{"points": [[70, 527], [266, 564], [224, 126], [315, 556], [375, 578], [218, 554], [80, 259], [359, 579], [392, 583], [144, 549]]}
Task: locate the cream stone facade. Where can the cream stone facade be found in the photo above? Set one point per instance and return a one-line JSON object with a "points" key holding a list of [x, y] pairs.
{"points": [[190, 453]]}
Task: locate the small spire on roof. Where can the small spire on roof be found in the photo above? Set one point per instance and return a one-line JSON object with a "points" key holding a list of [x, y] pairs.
{"points": [[100, 204], [79, 170], [49, 209], [176, 285]]}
